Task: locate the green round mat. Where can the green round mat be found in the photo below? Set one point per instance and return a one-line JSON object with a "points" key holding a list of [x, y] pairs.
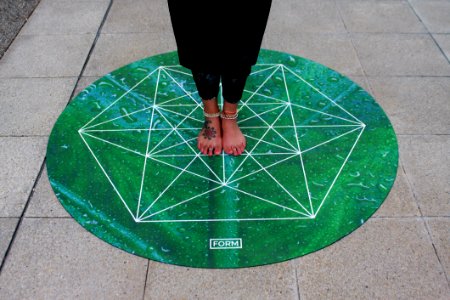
{"points": [[321, 157]]}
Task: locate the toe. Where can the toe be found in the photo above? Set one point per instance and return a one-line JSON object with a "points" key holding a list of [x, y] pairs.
{"points": [[210, 151], [235, 151], [217, 150]]}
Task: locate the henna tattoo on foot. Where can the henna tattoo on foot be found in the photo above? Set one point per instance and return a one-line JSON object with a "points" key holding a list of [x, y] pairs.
{"points": [[208, 132]]}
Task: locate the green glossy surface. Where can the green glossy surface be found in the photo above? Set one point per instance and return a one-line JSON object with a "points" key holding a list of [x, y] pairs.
{"points": [[321, 158]]}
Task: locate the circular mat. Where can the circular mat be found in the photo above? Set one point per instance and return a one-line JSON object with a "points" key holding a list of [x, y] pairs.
{"points": [[321, 157]]}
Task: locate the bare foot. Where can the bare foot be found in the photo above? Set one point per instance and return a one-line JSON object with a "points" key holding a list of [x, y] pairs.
{"points": [[209, 140], [233, 140]]}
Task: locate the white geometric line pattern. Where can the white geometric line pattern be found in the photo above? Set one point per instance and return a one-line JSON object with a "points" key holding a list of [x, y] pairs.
{"points": [[271, 124]]}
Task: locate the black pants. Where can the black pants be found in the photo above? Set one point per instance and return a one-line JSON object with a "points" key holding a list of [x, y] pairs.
{"points": [[233, 83]]}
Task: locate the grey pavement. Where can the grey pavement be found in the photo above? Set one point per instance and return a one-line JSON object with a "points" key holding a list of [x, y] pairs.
{"points": [[398, 50]]}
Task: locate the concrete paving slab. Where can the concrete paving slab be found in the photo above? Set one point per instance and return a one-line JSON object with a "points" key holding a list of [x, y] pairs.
{"points": [[46, 55], [440, 235], [138, 16], [30, 106], [115, 50], [444, 42], [415, 105], [66, 17], [434, 14], [44, 203], [333, 50], [58, 259], [426, 160], [21, 159], [7, 227], [400, 202], [265, 282], [294, 16], [384, 259], [400, 54], [379, 16]]}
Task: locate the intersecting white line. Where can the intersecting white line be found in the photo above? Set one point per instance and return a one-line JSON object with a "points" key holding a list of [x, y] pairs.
{"points": [[174, 145], [278, 183], [148, 144], [332, 139], [176, 131], [272, 144], [298, 144], [273, 128], [340, 170], [268, 201], [257, 143], [263, 113], [114, 144], [180, 114], [223, 181], [182, 202], [320, 92], [223, 220], [307, 108], [259, 170], [167, 187], [123, 95], [182, 169], [107, 176]]}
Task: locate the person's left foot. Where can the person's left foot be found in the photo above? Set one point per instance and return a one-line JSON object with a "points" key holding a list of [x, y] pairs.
{"points": [[233, 140]]}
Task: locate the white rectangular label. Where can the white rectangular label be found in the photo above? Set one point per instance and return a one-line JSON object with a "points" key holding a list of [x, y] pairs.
{"points": [[225, 243]]}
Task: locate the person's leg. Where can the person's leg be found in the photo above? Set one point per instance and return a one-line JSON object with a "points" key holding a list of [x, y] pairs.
{"points": [[209, 140], [233, 83]]}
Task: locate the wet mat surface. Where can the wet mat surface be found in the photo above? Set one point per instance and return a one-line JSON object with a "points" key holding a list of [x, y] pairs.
{"points": [[321, 157]]}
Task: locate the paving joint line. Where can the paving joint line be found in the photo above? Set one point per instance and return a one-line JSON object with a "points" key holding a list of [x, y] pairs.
{"points": [[428, 32], [422, 218], [22, 216]]}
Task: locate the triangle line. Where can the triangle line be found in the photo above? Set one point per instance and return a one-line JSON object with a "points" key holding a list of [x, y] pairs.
{"points": [[265, 133], [326, 114], [272, 144], [181, 143], [114, 144], [167, 187], [123, 95], [330, 140], [180, 114], [339, 172], [195, 152], [182, 202], [181, 87], [320, 92], [176, 71], [273, 127], [259, 71], [268, 201], [298, 144], [181, 169], [176, 98], [259, 170], [120, 117], [277, 182], [107, 176], [224, 220], [148, 144], [264, 82], [265, 112]]}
